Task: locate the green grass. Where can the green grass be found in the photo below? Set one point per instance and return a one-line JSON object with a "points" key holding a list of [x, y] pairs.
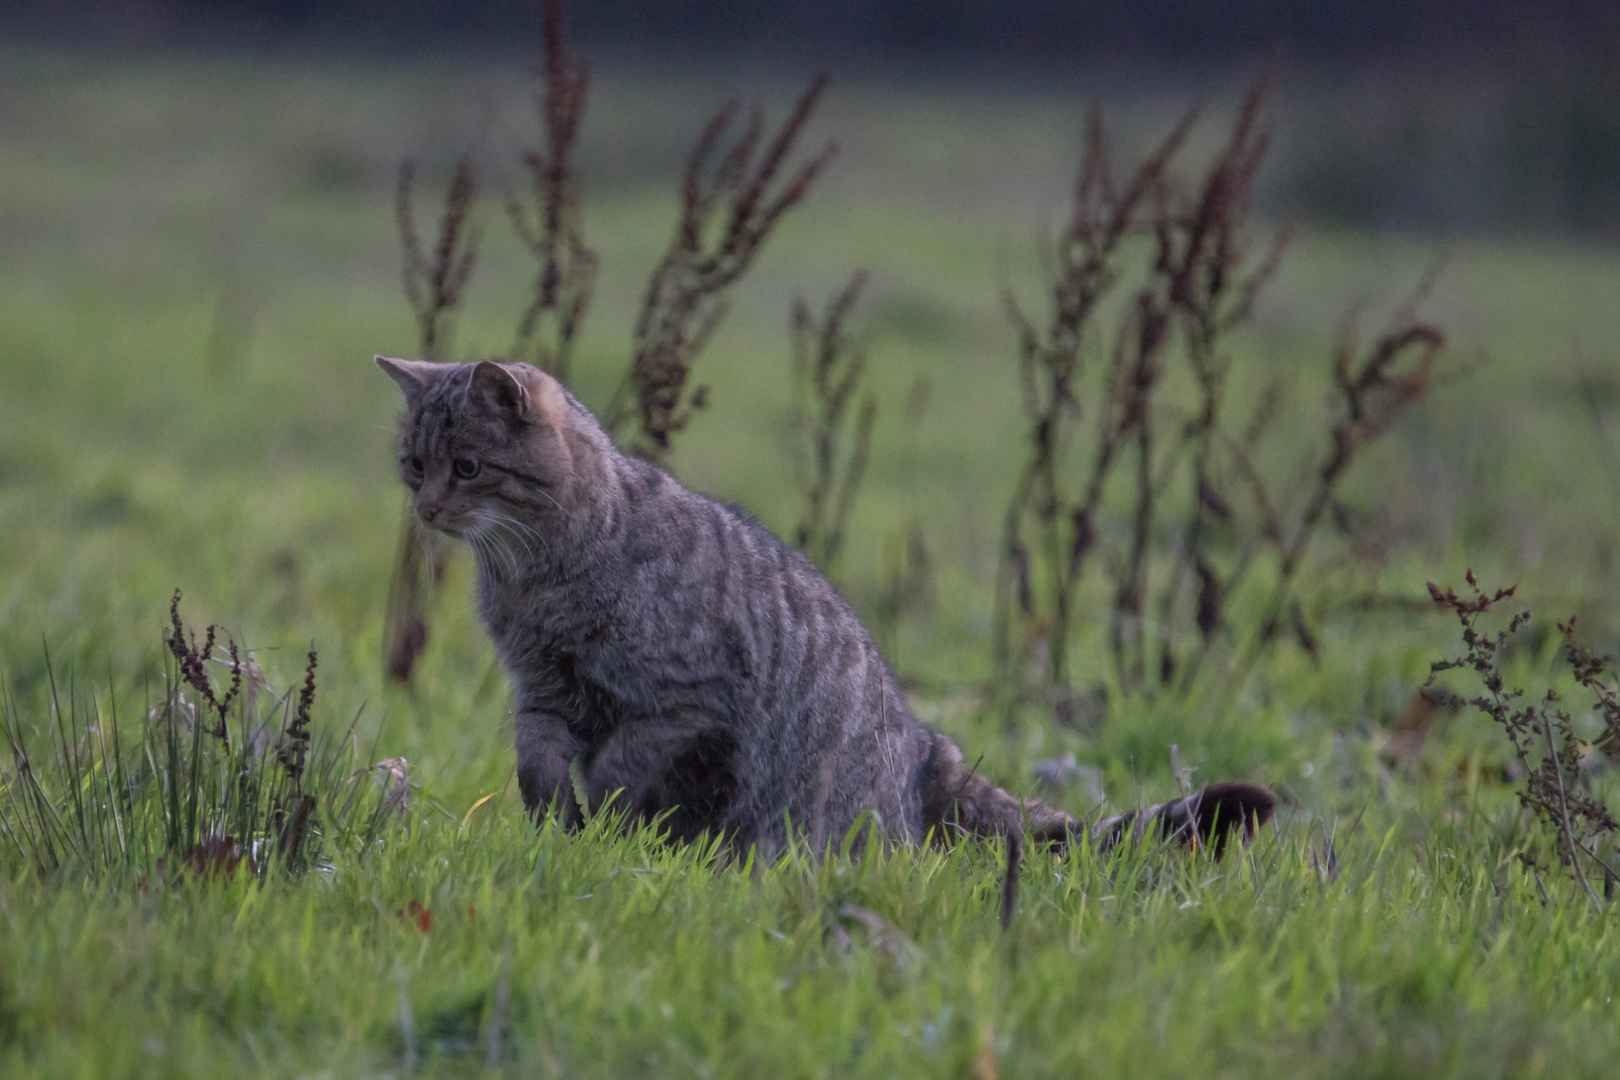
{"points": [[197, 265], [621, 958]]}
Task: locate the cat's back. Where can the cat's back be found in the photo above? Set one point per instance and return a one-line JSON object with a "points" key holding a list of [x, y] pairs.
{"points": [[696, 567]]}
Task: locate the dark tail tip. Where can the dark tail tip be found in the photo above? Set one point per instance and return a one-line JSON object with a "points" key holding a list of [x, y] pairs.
{"points": [[1223, 808]]}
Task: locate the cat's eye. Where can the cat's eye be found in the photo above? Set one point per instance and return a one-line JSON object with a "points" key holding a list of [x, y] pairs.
{"points": [[465, 467], [414, 465]]}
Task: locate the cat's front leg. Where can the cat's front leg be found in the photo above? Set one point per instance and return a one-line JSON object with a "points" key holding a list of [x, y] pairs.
{"points": [[545, 748]]}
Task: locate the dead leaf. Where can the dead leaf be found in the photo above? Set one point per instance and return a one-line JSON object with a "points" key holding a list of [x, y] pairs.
{"points": [[415, 912]]}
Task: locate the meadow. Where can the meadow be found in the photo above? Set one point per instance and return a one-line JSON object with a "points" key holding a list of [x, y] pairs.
{"points": [[197, 263]]}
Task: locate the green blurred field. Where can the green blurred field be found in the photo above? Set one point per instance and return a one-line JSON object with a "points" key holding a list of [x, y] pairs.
{"points": [[197, 262]]}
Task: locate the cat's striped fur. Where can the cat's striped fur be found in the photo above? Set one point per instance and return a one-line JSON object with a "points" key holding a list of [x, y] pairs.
{"points": [[684, 656]]}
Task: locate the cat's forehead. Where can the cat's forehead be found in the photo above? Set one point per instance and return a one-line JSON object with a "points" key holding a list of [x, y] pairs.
{"points": [[445, 412]]}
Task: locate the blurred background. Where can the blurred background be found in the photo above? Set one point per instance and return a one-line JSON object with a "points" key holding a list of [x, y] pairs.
{"points": [[1436, 115], [198, 258]]}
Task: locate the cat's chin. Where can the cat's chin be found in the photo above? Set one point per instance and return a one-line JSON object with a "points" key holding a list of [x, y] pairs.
{"points": [[457, 529]]}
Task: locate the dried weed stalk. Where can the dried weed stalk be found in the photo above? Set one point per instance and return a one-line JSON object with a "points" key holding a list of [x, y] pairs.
{"points": [[191, 662], [434, 287], [1373, 387], [420, 559], [1197, 512], [728, 208], [1203, 265], [554, 230], [1050, 523], [1540, 731], [436, 282], [827, 370]]}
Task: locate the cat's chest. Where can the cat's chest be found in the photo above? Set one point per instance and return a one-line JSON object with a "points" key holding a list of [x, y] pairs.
{"points": [[538, 619]]}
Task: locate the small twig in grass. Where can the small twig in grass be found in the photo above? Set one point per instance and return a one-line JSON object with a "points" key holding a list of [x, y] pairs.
{"points": [[1568, 832], [1535, 872]]}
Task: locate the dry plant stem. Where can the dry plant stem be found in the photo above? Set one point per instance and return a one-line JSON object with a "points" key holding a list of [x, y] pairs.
{"points": [[434, 287], [727, 212], [1205, 275], [1210, 283], [1127, 634], [1201, 249], [192, 663], [827, 370], [1039, 587], [1374, 392], [1568, 832], [419, 564], [554, 230]]}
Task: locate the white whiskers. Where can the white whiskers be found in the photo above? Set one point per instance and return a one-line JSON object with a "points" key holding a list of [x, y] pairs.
{"points": [[493, 555], [552, 501], [495, 531]]}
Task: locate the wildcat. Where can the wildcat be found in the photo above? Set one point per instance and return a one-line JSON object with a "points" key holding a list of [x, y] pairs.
{"points": [[684, 657]]}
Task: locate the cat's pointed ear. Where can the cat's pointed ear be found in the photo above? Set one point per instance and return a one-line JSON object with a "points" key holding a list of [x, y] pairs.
{"points": [[548, 400], [413, 376], [501, 389]]}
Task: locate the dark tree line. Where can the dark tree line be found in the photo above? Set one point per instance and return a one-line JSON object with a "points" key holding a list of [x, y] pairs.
{"points": [[1040, 31]]}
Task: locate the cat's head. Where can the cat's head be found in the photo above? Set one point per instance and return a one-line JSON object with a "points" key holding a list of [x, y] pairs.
{"points": [[482, 443]]}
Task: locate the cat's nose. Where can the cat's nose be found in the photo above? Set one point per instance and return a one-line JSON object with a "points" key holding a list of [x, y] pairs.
{"points": [[429, 512]]}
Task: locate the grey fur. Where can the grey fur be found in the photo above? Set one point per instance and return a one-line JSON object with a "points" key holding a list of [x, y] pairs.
{"points": [[686, 657]]}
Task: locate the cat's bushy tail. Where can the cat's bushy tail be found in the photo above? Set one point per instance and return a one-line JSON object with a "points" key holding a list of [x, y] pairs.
{"points": [[959, 799]]}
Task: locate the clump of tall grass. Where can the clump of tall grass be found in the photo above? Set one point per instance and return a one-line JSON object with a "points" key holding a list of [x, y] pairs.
{"points": [[221, 774]]}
